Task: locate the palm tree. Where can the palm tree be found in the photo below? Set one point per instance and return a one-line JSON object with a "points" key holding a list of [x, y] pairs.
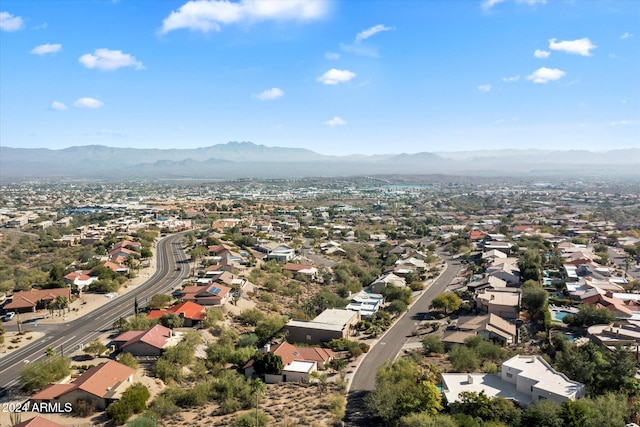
{"points": [[50, 352], [258, 388]]}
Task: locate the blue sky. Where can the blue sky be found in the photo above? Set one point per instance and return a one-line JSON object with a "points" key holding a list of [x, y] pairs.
{"points": [[336, 77]]}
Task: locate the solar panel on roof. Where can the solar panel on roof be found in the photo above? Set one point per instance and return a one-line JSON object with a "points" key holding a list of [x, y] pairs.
{"points": [[215, 290]]}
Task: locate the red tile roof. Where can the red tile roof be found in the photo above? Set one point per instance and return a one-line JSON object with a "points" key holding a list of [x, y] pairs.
{"points": [[156, 337], [100, 379], [188, 310], [290, 353], [296, 267], [79, 275], [26, 299]]}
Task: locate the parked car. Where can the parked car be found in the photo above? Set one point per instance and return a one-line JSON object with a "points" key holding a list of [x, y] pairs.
{"points": [[9, 316]]}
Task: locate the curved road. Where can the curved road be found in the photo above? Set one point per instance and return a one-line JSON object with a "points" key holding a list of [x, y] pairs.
{"points": [[391, 343], [67, 337]]}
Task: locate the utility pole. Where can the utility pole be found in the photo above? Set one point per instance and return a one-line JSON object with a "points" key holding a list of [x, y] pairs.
{"points": [[18, 321], [135, 306]]}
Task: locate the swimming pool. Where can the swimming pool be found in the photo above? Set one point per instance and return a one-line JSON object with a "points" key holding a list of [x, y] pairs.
{"points": [[559, 315]]}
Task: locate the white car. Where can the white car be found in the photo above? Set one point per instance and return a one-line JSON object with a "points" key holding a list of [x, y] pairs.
{"points": [[9, 316]]}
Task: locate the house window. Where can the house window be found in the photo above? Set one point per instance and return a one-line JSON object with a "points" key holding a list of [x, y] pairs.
{"points": [[308, 337], [509, 375]]}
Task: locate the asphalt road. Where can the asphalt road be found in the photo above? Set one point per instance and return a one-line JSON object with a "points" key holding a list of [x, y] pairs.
{"points": [[391, 343], [67, 337]]}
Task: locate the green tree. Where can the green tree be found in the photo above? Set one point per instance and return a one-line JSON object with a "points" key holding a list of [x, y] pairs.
{"points": [[95, 348], [171, 320], [608, 410], [129, 360], [589, 315], [533, 299], [402, 389], [529, 265], [464, 359], [574, 413], [269, 328], [267, 363], [544, 413], [35, 375], [447, 302], [432, 344], [479, 405], [159, 301], [424, 419]]}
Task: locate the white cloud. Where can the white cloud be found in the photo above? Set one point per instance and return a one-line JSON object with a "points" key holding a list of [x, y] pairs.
{"points": [[90, 103], [541, 53], [545, 75], [8, 22], [488, 4], [623, 122], [58, 106], [209, 15], [363, 35], [43, 49], [334, 76], [511, 79], [336, 121], [332, 55], [626, 36], [484, 88], [109, 60], [577, 47], [270, 94]]}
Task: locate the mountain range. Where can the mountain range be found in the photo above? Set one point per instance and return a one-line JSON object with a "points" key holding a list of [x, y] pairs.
{"points": [[248, 160]]}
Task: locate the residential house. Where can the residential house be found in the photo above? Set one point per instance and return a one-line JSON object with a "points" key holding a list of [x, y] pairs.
{"points": [[277, 251], [102, 384], [302, 270], [149, 342], [36, 299], [213, 294], [523, 379], [298, 362], [122, 253], [366, 303], [503, 302], [117, 268], [490, 327], [190, 313], [505, 269], [607, 300], [491, 282], [331, 324], [79, 279], [385, 280]]}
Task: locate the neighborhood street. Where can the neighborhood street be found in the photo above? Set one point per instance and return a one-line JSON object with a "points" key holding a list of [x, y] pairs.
{"points": [[390, 344], [67, 337]]}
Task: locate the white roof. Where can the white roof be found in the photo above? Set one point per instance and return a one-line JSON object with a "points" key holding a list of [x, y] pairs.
{"points": [[335, 316], [548, 379], [491, 384], [300, 366]]}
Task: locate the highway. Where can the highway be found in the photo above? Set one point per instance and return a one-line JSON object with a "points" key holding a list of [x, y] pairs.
{"points": [[67, 337], [391, 343]]}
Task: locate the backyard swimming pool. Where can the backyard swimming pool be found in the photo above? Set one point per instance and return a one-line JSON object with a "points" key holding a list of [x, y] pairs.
{"points": [[559, 315]]}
